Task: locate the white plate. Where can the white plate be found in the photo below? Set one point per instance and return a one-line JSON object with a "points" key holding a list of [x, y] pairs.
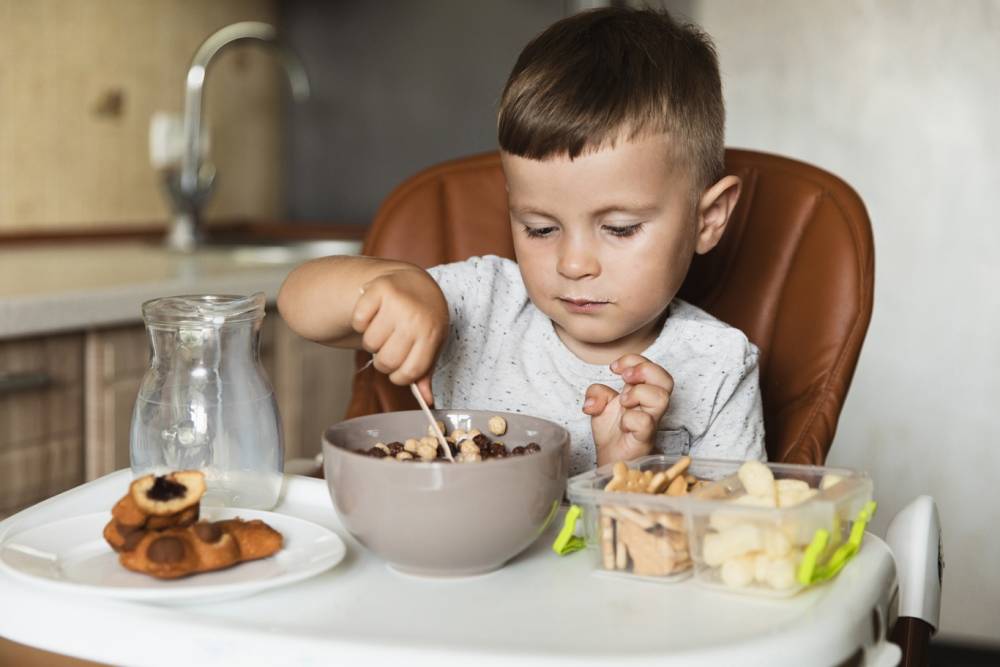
{"points": [[70, 555]]}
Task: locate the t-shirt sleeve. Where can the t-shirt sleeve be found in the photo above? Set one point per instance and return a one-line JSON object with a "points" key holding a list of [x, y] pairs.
{"points": [[736, 426], [467, 286]]}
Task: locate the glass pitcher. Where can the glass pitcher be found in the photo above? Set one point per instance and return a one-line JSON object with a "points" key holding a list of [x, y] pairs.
{"points": [[206, 403]]}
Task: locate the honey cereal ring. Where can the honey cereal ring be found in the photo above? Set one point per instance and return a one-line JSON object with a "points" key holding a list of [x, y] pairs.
{"points": [[497, 425]]}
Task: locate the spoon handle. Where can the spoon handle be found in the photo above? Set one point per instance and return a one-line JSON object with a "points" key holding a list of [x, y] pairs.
{"points": [[432, 421]]}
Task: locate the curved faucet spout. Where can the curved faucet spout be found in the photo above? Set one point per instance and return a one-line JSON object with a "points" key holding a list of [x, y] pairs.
{"points": [[191, 189]]}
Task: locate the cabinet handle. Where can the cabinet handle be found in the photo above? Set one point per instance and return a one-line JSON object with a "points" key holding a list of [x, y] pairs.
{"points": [[11, 383]]}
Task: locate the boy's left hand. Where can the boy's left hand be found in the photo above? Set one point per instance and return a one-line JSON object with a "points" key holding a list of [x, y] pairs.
{"points": [[624, 424]]}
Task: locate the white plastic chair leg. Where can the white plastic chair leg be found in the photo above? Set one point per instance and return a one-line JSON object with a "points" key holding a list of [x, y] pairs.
{"points": [[914, 536]]}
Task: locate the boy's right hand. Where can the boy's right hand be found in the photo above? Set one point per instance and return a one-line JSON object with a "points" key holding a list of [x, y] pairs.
{"points": [[403, 319]]}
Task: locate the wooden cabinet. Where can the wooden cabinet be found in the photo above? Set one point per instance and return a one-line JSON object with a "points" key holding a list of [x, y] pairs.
{"points": [[115, 362], [311, 384], [41, 419]]}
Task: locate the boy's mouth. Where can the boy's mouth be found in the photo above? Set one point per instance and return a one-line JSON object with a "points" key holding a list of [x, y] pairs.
{"points": [[583, 305]]}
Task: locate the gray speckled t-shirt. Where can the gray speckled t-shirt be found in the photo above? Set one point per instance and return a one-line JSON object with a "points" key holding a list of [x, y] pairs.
{"points": [[503, 354]]}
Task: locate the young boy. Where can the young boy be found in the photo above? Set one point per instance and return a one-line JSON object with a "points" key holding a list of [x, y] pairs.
{"points": [[611, 132]]}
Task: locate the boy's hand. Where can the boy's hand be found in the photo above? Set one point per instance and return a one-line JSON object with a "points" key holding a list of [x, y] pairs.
{"points": [[403, 319], [624, 424]]}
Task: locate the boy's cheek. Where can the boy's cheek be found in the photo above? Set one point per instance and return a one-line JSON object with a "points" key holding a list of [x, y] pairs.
{"points": [[535, 274]]}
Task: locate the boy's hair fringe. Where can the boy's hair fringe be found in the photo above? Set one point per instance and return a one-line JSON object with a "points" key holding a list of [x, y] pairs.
{"points": [[616, 73]]}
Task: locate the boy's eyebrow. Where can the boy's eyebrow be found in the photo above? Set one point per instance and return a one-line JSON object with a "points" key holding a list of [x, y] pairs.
{"points": [[601, 212], [530, 210], [618, 208]]}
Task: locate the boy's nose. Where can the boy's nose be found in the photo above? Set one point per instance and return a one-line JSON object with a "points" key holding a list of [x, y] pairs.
{"points": [[576, 261]]}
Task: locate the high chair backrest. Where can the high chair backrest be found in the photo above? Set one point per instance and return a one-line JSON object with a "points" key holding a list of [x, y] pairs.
{"points": [[794, 271]]}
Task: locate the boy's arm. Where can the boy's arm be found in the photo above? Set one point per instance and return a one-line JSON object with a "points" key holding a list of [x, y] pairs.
{"points": [[392, 309], [317, 299]]}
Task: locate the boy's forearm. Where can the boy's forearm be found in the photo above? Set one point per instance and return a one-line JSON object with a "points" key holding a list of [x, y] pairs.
{"points": [[317, 299]]}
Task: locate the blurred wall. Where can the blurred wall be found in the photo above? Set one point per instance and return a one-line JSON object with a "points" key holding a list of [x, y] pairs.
{"points": [[79, 80], [399, 85], [901, 100]]}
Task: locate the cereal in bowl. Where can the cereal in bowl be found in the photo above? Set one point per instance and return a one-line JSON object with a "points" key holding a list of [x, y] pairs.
{"points": [[470, 446]]}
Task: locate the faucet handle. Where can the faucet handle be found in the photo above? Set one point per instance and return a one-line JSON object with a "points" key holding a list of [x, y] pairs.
{"points": [[166, 140]]}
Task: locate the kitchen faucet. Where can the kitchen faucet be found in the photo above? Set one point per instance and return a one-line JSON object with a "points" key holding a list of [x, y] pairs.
{"points": [[190, 188]]}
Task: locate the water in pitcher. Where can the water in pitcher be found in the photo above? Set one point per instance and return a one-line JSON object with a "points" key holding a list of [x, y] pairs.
{"points": [[239, 458], [206, 404]]}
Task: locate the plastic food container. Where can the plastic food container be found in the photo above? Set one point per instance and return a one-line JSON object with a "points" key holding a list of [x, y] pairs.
{"points": [[775, 540], [798, 526], [639, 535]]}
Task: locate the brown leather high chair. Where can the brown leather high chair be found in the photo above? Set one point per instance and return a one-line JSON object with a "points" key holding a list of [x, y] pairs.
{"points": [[794, 271]]}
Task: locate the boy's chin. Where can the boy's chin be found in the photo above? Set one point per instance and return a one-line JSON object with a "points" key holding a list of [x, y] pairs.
{"points": [[591, 333]]}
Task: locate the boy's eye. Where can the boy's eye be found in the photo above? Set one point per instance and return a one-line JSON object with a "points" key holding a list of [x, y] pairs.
{"points": [[622, 231], [538, 232]]}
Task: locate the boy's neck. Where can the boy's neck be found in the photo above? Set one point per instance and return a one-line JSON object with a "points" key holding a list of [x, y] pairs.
{"points": [[602, 354]]}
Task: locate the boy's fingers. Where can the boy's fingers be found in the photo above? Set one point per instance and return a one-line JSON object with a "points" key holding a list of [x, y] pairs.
{"points": [[646, 372], [419, 362], [626, 361], [648, 397], [393, 353], [596, 398], [634, 447], [377, 333], [640, 425], [365, 310]]}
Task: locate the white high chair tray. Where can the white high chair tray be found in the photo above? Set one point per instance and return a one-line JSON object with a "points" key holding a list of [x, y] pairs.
{"points": [[539, 609]]}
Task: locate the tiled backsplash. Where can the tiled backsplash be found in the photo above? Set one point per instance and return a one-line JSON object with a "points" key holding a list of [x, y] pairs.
{"points": [[79, 80]]}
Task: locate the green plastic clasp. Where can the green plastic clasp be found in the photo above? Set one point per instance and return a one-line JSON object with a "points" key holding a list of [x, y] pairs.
{"points": [[811, 571], [567, 541]]}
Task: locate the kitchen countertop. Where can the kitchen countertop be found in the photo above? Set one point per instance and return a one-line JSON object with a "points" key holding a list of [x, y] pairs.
{"points": [[51, 287]]}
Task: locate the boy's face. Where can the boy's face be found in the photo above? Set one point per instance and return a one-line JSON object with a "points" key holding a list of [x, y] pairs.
{"points": [[604, 241]]}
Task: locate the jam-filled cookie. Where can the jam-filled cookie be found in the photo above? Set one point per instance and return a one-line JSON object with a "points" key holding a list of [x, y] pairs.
{"points": [[156, 531], [122, 537], [182, 519], [166, 555], [255, 538], [127, 513], [155, 504], [165, 495], [216, 549]]}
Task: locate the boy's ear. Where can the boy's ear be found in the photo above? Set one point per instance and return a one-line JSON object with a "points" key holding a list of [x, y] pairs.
{"points": [[714, 209]]}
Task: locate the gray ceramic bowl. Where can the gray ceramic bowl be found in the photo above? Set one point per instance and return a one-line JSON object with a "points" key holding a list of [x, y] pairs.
{"points": [[445, 519]]}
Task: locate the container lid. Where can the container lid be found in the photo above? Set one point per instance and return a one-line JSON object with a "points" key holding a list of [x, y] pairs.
{"points": [[588, 487], [854, 491], [201, 309]]}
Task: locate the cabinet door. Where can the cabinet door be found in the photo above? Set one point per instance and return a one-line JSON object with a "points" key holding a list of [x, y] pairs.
{"points": [[41, 419], [116, 360]]}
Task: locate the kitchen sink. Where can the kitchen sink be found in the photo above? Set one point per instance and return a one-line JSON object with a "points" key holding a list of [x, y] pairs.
{"points": [[281, 243], [288, 252]]}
